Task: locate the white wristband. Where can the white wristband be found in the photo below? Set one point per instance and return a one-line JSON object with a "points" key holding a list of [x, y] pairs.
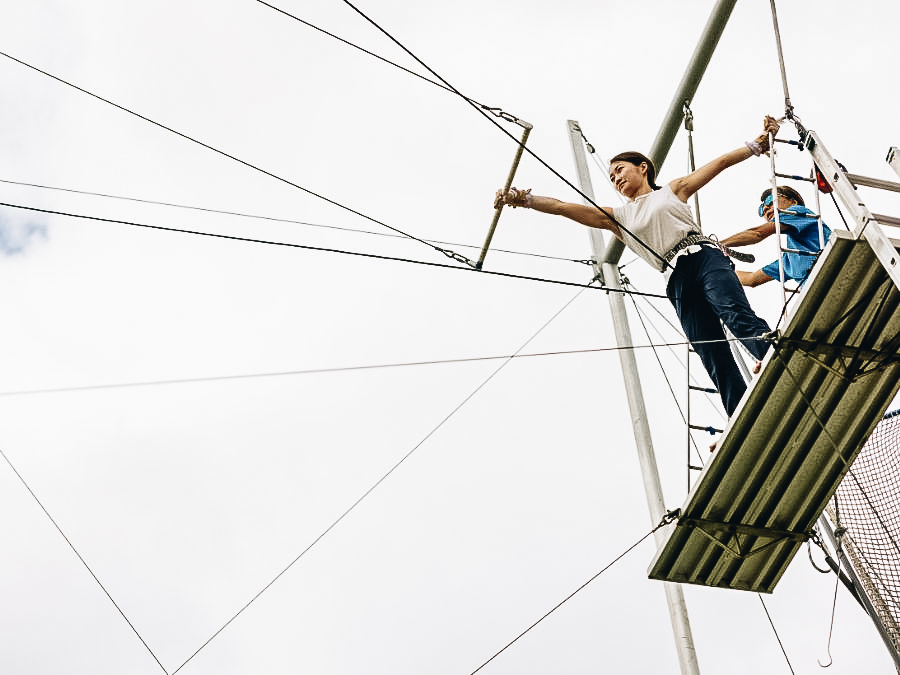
{"points": [[754, 148]]}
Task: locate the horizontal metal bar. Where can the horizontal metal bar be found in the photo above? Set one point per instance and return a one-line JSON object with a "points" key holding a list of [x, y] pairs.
{"points": [[886, 220], [865, 181], [716, 527]]}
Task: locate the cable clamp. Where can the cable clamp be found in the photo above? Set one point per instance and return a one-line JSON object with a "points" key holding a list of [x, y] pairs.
{"points": [[458, 257], [587, 143], [772, 336], [670, 517], [503, 115], [688, 116]]}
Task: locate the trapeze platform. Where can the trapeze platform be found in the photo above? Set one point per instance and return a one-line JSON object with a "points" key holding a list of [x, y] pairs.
{"points": [[822, 389]]}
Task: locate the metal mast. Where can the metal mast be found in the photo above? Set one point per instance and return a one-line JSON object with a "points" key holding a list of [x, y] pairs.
{"points": [[684, 94], [684, 641], [607, 258]]}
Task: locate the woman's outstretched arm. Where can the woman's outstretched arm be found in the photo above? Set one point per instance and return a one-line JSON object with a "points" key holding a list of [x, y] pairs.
{"points": [[580, 213], [684, 188]]}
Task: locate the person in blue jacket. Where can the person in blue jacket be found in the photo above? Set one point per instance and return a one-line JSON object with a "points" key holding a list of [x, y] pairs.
{"points": [[802, 230]]}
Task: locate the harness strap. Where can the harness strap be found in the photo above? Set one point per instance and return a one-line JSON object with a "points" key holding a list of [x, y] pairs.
{"points": [[697, 238], [691, 239]]}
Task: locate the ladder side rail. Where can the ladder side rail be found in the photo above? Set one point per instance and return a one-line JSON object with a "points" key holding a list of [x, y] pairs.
{"points": [[687, 412], [819, 222], [774, 181], [866, 225]]}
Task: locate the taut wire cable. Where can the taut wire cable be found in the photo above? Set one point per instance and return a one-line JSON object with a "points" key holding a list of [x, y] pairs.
{"points": [[449, 254], [505, 131], [383, 478], [319, 371], [307, 247], [83, 561], [640, 316], [775, 630], [280, 220], [671, 515]]}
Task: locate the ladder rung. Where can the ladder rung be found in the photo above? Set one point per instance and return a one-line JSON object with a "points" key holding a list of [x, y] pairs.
{"points": [[709, 430], [706, 389], [793, 177], [695, 468], [798, 251]]}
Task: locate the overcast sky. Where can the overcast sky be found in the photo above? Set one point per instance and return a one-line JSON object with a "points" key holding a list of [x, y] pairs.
{"points": [[499, 487]]}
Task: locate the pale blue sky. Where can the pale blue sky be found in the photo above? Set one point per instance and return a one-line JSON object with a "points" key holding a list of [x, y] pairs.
{"points": [[187, 499]]}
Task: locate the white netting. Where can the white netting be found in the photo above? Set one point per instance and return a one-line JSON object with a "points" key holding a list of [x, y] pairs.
{"points": [[868, 506]]}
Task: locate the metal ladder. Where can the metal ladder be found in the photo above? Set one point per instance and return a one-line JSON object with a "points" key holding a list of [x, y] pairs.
{"points": [[831, 177], [782, 248]]}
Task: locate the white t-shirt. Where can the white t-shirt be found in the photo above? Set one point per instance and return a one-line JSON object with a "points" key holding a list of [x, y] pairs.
{"points": [[659, 219]]}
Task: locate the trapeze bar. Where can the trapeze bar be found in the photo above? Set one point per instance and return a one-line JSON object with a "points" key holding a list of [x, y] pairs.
{"points": [[797, 430], [509, 180]]}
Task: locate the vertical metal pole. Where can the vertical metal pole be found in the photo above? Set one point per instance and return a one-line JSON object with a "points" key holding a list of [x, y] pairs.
{"points": [[718, 19], [684, 642]]}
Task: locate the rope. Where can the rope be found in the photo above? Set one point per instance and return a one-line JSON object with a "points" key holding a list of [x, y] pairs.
{"points": [[684, 419], [83, 562], [320, 248], [689, 127], [669, 517], [282, 220], [355, 46], [319, 371], [774, 630], [788, 108], [381, 480], [517, 141], [449, 254]]}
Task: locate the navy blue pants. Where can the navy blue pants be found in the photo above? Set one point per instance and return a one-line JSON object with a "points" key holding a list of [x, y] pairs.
{"points": [[705, 290]]}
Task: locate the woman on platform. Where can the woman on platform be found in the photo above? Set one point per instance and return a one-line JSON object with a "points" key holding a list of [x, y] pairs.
{"points": [[658, 226]]}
